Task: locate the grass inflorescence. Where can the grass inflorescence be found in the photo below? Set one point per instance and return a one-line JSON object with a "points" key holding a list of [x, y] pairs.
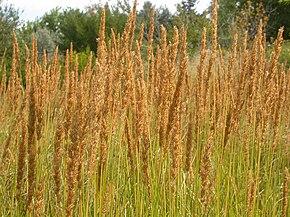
{"points": [[154, 136]]}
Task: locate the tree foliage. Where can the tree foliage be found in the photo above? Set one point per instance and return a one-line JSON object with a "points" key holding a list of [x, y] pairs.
{"points": [[60, 27], [45, 40], [9, 22], [77, 27], [81, 27], [237, 16], [250, 16], [185, 15], [163, 17], [194, 23]]}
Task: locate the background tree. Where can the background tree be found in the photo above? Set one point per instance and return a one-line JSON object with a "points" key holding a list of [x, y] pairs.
{"points": [[162, 17], [143, 16], [250, 16], [123, 6], [79, 28], [227, 12], [278, 17], [238, 15], [187, 11], [194, 22], [9, 22], [273, 13], [45, 40], [51, 20], [82, 27]]}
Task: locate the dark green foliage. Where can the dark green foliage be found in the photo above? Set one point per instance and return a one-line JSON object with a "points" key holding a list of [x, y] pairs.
{"points": [[188, 5], [280, 16], [9, 21], [51, 20], [162, 17], [60, 27], [277, 14], [194, 23], [227, 12], [79, 28]]}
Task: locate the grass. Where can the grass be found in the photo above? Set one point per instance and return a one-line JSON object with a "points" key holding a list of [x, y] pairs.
{"points": [[284, 56], [155, 137], [285, 53]]}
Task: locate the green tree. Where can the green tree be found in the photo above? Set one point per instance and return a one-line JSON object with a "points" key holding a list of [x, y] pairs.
{"points": [[162, 17], [250, 16], [51, 20], [143, 16], [79, 28], [194, 23], [278, 17], [187, 11], [234, 14], [123, 6], [227, 12], [9, 22], [60, 27], [82, 27]]}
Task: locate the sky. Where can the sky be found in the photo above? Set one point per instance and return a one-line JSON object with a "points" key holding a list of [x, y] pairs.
{"points": [[32, 9]]}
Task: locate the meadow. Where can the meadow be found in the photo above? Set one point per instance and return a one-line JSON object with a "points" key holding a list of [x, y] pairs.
{"points": [[135, 135]]}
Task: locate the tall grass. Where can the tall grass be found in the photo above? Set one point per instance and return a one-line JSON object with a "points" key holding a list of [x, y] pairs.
{"points": [[134, 137]]}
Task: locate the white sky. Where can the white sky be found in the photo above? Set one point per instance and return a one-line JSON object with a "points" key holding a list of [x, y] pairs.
{"points": [[36, 8]]}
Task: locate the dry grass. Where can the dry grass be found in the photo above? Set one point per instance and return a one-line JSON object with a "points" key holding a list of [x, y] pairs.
{"points": [[122, 139]]}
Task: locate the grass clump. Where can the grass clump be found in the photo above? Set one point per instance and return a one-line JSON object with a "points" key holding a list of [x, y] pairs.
{"points": [[133, 137]]}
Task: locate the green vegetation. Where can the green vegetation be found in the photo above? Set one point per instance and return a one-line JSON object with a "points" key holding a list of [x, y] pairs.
{"points": [[285, 53]]}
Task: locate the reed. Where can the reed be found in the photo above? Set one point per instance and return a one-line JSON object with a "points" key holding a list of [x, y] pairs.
{"points": [[285, 193], [31, 127], [152, 133]]}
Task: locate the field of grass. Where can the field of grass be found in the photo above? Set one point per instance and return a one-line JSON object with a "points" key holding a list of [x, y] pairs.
{"points": [[154, 137]]}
